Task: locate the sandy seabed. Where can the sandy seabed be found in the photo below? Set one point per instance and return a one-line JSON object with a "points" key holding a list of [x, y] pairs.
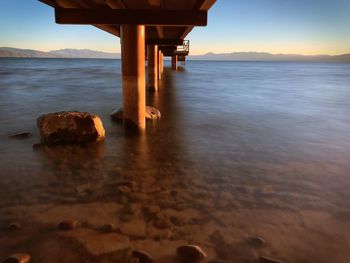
{"points": [[156, 210]]}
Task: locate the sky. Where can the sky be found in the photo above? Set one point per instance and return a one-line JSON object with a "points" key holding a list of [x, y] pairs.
{"points": [[306, 27]]}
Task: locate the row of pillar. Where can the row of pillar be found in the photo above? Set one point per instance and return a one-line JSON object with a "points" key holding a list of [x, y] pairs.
{"points": [[133, 73]]}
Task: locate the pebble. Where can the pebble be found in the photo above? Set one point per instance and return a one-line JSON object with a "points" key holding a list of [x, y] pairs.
{"points": [[14, 226], [18, 258], [256, 241], [142, 256], [21, 135], [264, 259], [68, 224], [190, 254], [124, 189]]}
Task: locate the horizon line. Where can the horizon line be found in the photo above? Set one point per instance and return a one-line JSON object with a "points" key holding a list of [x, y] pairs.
{"points": [[202, 54]]}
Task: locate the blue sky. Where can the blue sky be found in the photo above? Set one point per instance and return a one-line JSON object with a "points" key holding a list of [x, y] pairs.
{"points": [[276, 26]]}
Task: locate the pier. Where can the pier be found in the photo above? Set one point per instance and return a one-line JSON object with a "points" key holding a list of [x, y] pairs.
{"points": [[151, 29]]}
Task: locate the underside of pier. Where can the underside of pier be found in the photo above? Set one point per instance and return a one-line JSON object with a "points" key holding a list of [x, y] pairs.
{"points": [[147, 28]]}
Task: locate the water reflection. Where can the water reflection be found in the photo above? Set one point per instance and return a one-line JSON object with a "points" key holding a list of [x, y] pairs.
{"points": [[242, 150]]}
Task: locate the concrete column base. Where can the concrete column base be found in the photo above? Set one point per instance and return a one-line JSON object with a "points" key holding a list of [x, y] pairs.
{"points": [[152, 67], [133, 75]]}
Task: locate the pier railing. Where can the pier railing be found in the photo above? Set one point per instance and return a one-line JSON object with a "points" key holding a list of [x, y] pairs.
{"points": [[185, 46]]}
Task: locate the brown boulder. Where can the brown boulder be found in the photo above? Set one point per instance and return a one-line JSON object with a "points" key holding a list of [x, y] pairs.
{"points": [[70, 127], [151, 114]]}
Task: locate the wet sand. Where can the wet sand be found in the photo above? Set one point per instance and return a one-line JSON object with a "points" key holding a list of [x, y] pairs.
{"points": [[191, 179]]}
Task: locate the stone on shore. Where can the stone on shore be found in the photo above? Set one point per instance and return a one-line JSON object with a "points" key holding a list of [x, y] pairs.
{"points": [[70, 127], [18, 258], [151, 114], [190, 254]]}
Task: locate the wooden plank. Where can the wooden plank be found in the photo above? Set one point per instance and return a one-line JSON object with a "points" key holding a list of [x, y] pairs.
{"points": [[164, 41], [131, 17]]}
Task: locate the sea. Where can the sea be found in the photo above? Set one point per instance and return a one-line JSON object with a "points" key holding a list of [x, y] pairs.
{"points": [[249, 160]]}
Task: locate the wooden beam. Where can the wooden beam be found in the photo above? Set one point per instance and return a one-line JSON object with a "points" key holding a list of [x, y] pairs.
{"points": [[186, 31], [115, 4], [49, 2], [131, 17], [155, 3], [167, 48], [201, 5], [160, 31], [114, 30], [164, 41], [204, 4]]}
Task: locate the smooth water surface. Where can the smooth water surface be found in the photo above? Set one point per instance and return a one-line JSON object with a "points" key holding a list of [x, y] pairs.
{"points": [[243, 149]]}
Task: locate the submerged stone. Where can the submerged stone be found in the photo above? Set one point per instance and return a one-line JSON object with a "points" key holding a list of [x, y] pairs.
{"points": [[256, 241], [68, 224], [70, 127], [190, 254], [14, 226], [151, 114], [264, 259], [18, 258], [21, 135], [142, 256], [117, 115], [107, 228]]}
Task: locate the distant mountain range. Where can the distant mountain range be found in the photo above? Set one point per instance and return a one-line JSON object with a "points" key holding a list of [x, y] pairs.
{"points": [[262, 56], [62, 53], [235, 56]]}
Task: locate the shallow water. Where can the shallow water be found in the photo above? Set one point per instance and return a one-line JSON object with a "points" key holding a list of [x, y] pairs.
{"points": [[243, 149]]}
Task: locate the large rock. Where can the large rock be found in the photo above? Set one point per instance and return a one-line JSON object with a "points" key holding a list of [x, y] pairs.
{"points": [[70, 127], [151, 114]]}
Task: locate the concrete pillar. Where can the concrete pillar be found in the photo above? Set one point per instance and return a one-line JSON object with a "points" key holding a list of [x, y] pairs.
{"points": [[133, 75], [174, 62], [152, 67], [160, 64]]}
